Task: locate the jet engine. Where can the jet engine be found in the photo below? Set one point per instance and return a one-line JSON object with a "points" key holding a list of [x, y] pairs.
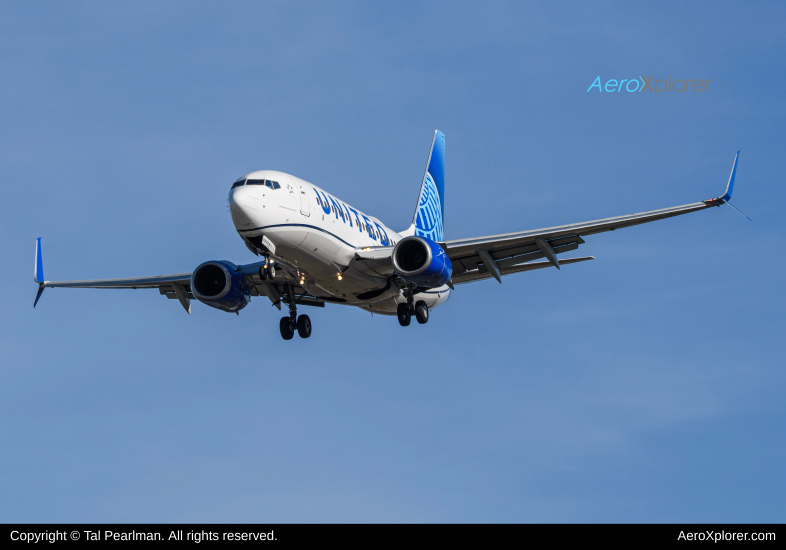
{"points": [[219, 284], [421, 261]]}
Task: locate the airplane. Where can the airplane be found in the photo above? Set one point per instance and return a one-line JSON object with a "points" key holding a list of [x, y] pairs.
{"points": [[317, 249]]}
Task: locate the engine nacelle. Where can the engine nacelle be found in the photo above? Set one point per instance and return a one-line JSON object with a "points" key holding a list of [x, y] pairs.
{"points": [[219, 285], [421, 261]]}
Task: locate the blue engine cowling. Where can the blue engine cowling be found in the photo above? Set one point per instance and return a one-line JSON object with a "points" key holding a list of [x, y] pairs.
{"points": [[220, 285], [421, 261]]}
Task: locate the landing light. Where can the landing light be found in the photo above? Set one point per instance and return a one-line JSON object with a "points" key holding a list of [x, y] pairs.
{"points": [[366, 248], [340, 277]]}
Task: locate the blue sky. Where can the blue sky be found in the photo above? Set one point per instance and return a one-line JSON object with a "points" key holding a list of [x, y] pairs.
{"points": [[647, 385]]}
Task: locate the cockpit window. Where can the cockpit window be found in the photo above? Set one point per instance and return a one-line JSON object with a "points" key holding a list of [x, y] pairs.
{"points": [[267, 183]]}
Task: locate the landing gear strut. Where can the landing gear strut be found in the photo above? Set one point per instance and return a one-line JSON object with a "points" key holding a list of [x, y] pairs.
{"points": [[288, 325]]}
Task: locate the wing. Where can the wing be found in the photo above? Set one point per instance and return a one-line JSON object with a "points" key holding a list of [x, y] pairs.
{"points": [[178, 286], [156, 281], [498, 255]]}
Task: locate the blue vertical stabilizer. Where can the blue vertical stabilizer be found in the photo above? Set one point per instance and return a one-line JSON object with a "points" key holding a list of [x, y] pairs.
{"points": [[430, 212]]}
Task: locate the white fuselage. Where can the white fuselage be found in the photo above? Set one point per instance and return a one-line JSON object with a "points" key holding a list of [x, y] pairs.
{"points": [[320, 235]]}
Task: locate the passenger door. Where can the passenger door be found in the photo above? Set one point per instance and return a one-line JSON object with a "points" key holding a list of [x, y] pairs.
{"points": [[304, 207]]}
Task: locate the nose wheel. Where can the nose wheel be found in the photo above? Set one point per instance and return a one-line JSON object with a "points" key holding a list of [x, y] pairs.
{"points": [[267, 271]]}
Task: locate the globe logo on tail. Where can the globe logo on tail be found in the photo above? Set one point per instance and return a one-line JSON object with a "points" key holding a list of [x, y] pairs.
{"points": [[429, 218]]}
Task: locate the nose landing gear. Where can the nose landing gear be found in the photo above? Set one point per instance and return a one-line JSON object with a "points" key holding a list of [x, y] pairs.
{"points": [[267, 271]]}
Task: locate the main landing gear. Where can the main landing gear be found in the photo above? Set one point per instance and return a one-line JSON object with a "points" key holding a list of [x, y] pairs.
{"points": [[288, 325], [406, 311], [302, 325]]}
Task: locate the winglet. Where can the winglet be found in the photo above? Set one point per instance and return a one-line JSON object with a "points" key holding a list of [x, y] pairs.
{"points": [[730, 187], [726, 197], [41, 288], [38, 273]]}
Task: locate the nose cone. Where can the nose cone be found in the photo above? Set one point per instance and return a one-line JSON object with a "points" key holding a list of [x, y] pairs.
{"points": [[244, 207]]}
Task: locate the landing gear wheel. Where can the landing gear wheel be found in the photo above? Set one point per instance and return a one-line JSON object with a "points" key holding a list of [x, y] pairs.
{"points": [[263, 273], [421, 312], [404, 317], [304, 326], [271, 272], [287, 332]]}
